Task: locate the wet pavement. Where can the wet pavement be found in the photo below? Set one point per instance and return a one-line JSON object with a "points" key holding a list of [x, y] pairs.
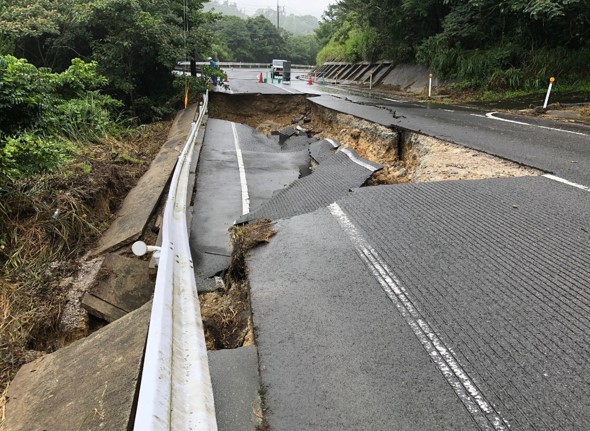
{"points": [[559, 148], [456, 305]]}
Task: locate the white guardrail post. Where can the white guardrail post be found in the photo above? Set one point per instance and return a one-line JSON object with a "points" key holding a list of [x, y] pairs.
{"points": [[175, 391]]}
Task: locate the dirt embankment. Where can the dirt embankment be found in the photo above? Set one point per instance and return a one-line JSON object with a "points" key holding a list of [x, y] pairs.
{"points": [[47, 223], [406, 156]]}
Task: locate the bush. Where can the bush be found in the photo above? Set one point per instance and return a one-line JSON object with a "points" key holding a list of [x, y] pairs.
{"points": [[40, 111], [28, 153]]}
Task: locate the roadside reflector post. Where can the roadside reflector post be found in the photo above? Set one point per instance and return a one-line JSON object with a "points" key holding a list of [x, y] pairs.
{"points": [[551, 81], [324, 79], [371, 81], [430, 85]]}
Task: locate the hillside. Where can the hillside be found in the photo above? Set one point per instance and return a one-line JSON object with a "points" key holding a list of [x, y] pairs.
{"points": [[299, 25]]}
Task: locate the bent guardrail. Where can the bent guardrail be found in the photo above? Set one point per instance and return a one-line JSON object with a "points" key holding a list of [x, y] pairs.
{"points": [[175, 390]]}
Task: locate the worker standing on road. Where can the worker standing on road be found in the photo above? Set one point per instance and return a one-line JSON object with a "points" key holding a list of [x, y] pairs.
{"points": [[213, 65]]}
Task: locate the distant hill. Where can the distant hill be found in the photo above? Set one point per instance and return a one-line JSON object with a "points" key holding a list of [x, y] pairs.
{"points": [[225, 8], [299, 25]]}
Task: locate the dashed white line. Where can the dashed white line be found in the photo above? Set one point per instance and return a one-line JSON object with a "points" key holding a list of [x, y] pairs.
{"points": [[243, 182], [481, 410], [491, 116], [356, 160], [569, 183]]}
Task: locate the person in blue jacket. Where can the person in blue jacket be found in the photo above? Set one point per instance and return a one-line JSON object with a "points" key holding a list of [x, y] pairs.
{"points": [[213, 65]]}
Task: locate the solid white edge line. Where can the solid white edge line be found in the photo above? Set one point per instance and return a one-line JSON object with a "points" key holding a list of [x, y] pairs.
{"points": [[481, 410], [356, 160], [564, 181], [491, 116], [334, 144], [242, 169]]}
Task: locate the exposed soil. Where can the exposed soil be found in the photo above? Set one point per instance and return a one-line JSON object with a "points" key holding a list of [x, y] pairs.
{"points": [[48, 222], [406, 156], [226, 313], [559, 112]]}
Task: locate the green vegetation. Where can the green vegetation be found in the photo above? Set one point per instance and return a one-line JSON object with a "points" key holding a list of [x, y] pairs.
{"points": [[258, 40], [483, 44], [42, 112], [297, 25]]}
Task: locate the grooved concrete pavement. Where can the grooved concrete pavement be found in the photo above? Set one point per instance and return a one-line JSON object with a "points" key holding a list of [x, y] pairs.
{"points": [[497, 270]]}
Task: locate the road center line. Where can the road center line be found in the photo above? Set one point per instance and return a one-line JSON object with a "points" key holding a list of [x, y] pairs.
{"points": [[569, 183], [243, 182], [474, 401], [491, 116]]}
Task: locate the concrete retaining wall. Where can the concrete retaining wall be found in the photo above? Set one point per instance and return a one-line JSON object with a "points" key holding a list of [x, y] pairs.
{"points": [[402, 77]]}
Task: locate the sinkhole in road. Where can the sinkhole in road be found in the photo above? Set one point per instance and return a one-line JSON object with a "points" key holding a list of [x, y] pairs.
{"points": [[405, 155]]}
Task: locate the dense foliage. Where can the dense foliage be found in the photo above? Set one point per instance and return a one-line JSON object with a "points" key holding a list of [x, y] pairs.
{"points": [[41, 112], [482, 43], [299, 25], [136, 43], [257, 39]]}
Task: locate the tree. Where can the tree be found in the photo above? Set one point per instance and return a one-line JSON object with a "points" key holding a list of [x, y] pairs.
{"points": [[267, 42]]}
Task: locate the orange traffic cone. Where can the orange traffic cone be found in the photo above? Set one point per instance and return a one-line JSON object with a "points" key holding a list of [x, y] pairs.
{"points": [[260, 81], [309, 81]]}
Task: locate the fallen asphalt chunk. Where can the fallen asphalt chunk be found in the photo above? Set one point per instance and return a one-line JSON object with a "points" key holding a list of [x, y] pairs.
{"points": [[329, 182], [323, 149]]}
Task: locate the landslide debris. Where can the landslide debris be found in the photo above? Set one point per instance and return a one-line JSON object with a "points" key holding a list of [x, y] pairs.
{"points": [[226, 312]]}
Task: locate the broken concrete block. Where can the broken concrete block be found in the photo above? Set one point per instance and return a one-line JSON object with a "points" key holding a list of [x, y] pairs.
{"points": [[122, 285], [88, 385]]}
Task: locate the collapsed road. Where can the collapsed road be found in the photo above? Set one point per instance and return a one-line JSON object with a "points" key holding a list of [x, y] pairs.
{"points": [[442, 305], [347, 283]]}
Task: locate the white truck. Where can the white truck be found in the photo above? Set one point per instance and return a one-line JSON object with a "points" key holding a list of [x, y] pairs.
{"points": [[281, 68]]}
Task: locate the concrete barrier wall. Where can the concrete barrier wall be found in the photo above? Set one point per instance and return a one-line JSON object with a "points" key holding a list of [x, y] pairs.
{"points": [[401, 77]]}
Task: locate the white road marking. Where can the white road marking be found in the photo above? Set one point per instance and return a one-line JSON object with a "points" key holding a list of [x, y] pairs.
{"points": [[394, 100], [356, 160], [482, 411], [334, 144], [282, 87], [491, 116], [569, 183], [243, 182], [449, 110]]}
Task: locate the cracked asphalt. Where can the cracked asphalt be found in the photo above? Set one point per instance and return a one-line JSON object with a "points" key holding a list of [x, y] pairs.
{"points": [[458, 305]]}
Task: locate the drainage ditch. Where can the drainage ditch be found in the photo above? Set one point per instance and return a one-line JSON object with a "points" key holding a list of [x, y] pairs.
{"points": [[406, 157]]}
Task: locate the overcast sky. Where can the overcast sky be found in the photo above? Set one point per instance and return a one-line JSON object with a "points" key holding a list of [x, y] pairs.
{"points": [[297, 7]]}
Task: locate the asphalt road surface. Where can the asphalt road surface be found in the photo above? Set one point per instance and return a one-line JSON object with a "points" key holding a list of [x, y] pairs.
{"points": [[458, 305], [558, 148]]}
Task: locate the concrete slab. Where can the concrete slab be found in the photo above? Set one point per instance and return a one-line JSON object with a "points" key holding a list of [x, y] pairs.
{"points": [[236, 383], [500, 270], [88, 385], [330, 181], [142, 200], [322, 150], [334, 352], [122, 285]]}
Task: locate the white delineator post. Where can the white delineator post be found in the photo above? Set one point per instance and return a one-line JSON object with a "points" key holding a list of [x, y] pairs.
{"points": [[551, 81], [430, 85]]}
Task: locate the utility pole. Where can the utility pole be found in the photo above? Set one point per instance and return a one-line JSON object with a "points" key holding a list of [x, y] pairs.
{"points": [[277, 14]]}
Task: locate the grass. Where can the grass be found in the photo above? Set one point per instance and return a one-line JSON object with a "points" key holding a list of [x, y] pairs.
{"points": [[47, 223]]}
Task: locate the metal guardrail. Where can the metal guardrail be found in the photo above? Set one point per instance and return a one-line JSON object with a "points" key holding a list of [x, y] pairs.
{"points": [[175, 391], [240, 65]]}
